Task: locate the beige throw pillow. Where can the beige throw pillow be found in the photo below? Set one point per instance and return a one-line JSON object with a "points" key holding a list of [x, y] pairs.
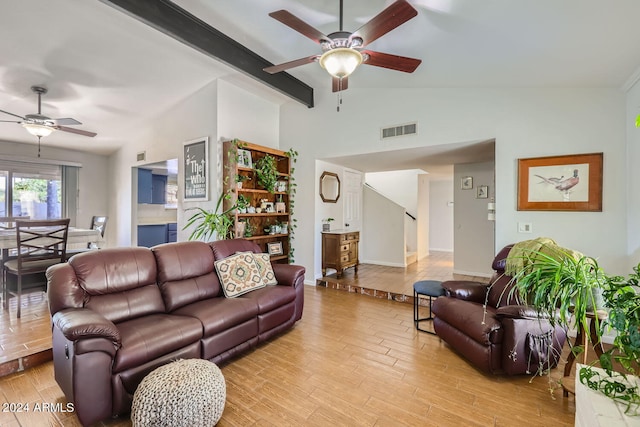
{"points": [[239, 274], [266, 271]]}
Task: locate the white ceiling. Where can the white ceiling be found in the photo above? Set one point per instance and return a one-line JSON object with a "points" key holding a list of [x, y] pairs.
{"points": [[114, 74]]}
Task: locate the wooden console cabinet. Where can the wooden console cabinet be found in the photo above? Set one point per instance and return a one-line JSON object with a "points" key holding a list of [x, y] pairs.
{"points": [[340, 250]]}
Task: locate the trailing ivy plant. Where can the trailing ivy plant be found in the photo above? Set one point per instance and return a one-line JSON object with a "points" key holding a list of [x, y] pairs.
{"points": [[623, 302], [267, 172], [291, 190]]}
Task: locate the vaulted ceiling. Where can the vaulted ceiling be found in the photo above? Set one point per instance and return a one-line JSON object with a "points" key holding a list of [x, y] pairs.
{"points": [[113, 72]]}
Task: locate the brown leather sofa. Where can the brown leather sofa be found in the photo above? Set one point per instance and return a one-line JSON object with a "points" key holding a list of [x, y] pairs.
{"points": [[119, 313], [510, 338]]}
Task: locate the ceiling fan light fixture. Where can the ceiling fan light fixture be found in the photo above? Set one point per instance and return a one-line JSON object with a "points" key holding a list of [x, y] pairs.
{"points": [[341, 62], [37, 130]]}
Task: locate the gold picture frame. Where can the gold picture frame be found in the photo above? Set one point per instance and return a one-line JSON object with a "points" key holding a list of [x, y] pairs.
{"points": [[561, 183]]}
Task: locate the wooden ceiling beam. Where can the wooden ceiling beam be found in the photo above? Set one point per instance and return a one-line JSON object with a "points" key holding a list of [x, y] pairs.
{"points": [[169, 18]]}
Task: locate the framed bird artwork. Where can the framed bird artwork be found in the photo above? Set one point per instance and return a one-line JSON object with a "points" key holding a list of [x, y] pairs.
{"points": [[560, 183]]}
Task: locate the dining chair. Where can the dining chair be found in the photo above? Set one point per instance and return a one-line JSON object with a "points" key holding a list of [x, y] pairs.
{"points": [[40, 244], [97, 223]]}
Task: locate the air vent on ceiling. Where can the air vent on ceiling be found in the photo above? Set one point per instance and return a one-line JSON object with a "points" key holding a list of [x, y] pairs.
{"points": [[141, 156], [400, 130]]}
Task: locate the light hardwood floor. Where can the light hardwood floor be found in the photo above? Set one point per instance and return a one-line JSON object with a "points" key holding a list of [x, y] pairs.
{"points": [[350, 361]]}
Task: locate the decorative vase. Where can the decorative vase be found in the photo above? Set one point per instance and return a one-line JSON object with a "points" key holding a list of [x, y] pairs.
{"points": [[326, 227]]}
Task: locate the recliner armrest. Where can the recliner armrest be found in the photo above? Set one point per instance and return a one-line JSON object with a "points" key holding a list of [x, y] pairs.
{"points": [[521, 312], [82, 323], [466, 290], [288, 274]]}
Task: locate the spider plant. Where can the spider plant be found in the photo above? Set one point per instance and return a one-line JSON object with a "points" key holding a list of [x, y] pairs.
{"points": [[208, 223], [561, 285]]}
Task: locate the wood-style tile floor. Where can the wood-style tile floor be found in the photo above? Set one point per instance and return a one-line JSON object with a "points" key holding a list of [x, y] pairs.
{"points": [[395, 283], [350, 361]]}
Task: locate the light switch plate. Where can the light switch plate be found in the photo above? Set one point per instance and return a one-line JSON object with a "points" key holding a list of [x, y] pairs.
{"points": [[525, 227]]}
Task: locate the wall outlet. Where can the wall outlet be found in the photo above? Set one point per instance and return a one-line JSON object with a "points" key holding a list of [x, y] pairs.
{"points": [[525, 227]]}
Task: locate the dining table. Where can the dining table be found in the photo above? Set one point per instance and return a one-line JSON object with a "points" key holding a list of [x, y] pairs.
{"points": [[74, 236]]}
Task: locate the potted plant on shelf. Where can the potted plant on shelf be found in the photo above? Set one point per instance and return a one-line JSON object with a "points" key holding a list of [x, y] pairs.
{"points": [[267, 172], [326, 224], [208, 223], [242, 203], [240, 179]]}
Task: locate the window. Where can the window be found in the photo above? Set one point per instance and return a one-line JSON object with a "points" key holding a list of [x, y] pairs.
{"points": [[33, 190]]}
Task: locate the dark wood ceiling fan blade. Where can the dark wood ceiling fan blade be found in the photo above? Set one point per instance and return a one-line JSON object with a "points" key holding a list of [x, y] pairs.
{"points": [[291, 64], [11, 114], [292, 21], [340, 84], [393, 16], [66, 121], [77, 131], [10, 121], [392, 62]]}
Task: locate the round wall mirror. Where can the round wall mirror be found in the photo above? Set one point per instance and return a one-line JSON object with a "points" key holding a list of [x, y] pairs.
{"points": [[329, 187]]}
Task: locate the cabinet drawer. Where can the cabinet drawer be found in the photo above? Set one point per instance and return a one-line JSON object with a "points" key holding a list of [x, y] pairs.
{"points": [[345, 248], [352, 236], [344, 258]]}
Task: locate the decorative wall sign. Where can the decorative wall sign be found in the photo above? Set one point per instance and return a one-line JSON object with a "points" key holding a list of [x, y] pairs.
{"points": [[560, 183], [196, 170]]}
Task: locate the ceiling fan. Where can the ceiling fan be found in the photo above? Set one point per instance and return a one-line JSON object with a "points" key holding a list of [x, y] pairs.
{"points": [[344, 51], [40, 125]]}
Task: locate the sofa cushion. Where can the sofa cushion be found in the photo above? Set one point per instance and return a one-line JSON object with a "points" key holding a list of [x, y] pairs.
{"points": [[147, 338], [225, 248], [186, 273], [271, 297], [469, 318], [220, 314], [266, 271], [239, 274]]}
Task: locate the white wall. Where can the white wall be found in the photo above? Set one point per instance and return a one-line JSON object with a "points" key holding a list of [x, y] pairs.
{"points": [[524, 123], [382, 238], [402, 187], [441, 215], [473, 234], [218, 109], [93, 178], [633, 176]]}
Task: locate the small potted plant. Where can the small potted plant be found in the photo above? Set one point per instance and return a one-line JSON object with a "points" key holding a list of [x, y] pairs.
{"points": [[242, 203], [326, 224], [240, 179]]}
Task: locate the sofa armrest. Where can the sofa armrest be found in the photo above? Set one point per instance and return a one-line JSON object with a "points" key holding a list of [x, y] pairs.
{"points": [[81, 323], [289, 274], [521, 312], [466, 290]]}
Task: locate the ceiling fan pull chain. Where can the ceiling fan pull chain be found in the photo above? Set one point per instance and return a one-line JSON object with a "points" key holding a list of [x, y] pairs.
{"points": [[39, 146]]}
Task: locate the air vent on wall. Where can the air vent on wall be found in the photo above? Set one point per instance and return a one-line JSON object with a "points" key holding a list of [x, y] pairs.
{"points": [[400, 130], [141, 156]]}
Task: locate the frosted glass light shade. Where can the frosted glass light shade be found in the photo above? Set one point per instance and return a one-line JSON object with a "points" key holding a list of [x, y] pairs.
{"points": [[340, 62], [37, 130]]}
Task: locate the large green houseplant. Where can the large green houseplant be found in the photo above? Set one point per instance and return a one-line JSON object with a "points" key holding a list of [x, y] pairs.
{"points": [[563, 284], [209, 223]]}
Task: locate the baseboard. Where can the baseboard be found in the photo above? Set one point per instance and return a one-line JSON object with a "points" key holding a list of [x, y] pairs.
{"points": [[310, 282], [472, 273], [441, 250], [385, 264]]}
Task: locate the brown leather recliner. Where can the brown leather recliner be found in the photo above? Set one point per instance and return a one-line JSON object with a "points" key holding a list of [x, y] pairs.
{"points": [[507, 338]]}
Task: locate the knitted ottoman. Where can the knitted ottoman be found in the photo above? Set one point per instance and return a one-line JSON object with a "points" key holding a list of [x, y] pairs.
{"points": [[185, 393]]}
